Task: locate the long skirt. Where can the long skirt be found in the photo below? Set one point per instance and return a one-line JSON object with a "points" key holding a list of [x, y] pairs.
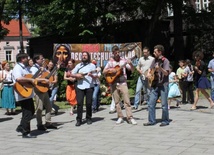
{"points": [[8, 99], [71, 94]]}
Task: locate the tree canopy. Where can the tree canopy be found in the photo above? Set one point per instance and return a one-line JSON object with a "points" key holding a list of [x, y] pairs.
{"points": [[80, 16]]}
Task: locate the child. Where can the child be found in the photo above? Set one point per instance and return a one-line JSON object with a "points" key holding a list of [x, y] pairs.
{"points": [[173, 88]]}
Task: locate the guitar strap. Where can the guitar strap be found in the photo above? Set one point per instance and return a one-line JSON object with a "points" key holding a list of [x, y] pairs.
{"points": [[36, 66], [81, 67], [21, 66]]}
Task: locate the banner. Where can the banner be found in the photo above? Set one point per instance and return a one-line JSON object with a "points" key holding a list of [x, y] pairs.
{"points": [[99, 52]]}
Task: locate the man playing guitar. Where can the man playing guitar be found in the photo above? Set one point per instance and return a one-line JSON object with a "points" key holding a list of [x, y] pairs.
{"points": [[41, 99], [27, 105], [119, 86], [143, 65], [159, 87]]}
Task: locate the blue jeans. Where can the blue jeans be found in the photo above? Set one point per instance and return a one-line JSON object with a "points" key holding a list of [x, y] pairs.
{"points": [[155, 93], [95, 103], [141, 84], [212, 86], [53, 93]]}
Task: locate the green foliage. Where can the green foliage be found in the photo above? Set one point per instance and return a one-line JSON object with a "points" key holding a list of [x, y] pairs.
{"points": [[132, 81], [201, 28], [62, 85]]}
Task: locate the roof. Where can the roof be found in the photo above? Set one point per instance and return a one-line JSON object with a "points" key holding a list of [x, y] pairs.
{"points": [[13, 28]]}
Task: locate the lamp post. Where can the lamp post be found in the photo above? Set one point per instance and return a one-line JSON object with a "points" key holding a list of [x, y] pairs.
{"points": [[20, 28]]}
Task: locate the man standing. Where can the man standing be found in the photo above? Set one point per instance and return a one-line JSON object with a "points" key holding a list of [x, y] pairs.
{"points": [[143, 65], [27, 105], [119, 85], [41, 99], [159, 87], [85, 87]]}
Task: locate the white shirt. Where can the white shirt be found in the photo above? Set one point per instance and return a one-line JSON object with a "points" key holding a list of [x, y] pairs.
{"points": [[19, 71]]}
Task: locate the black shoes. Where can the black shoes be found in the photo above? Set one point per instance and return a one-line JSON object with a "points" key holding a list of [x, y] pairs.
{"points": [[78, 123], [163, 124], [20, 129], [89, 121], [51, 126], [41, 127], [28, 136], [148, 124]]}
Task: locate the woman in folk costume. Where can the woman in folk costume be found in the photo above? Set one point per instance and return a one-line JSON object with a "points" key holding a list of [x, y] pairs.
{"points": [[7, 96]]}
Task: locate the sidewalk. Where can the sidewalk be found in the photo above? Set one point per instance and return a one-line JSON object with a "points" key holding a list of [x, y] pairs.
{"points": [[190, 132]]}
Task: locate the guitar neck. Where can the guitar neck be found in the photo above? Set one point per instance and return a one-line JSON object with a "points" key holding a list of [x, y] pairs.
{"points": [[51, 73]]}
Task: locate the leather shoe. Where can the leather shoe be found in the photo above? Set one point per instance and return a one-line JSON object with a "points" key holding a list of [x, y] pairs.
{"points": [[51, 127], [78, 123], [20, 129], [89, 121], [163, 124], [41, 127], [148, 124], [28, 136]]}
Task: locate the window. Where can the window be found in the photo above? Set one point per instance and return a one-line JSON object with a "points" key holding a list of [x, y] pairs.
{"points": [[206, 5], [198, 5], [9, 55]]}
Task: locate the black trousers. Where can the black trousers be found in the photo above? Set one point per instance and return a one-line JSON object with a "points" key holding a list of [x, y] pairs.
{"points": [[28, 111], [80, 94], [188, 87]]}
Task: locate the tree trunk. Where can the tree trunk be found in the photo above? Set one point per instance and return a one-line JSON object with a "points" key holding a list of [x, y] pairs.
{"points": [[153, 23], [178, 31]]}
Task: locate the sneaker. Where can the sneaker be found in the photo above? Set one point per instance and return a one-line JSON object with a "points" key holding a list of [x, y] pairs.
{"points": [[168, 107], [132, 121], [112, 111], [119, 121]]}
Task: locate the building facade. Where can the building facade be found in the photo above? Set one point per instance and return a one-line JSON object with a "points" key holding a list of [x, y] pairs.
{"points": [[10, 45]]}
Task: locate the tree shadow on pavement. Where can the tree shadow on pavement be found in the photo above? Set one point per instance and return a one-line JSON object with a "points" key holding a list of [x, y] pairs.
{"points": [[6, 119], [202, 107], [38, 132]]}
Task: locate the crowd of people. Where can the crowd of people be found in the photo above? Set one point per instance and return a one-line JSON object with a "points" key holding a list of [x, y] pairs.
{"points": [[36, 81]]}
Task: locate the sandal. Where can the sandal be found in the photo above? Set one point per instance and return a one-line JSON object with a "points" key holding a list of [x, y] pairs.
{"points": [[212, 107], [193, 108], [71, 113]]}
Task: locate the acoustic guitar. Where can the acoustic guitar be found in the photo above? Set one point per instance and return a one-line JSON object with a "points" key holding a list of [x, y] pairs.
{"points": [[153, 79], [152, 76], [111, 77], [25, 89], [43, 86]]}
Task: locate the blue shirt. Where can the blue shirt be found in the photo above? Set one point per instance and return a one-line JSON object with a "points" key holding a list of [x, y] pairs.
{"points": [[87, 81], [211, 65]]}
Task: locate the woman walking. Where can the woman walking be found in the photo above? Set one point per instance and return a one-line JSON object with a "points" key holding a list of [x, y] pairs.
{"points": [[201, 81]]}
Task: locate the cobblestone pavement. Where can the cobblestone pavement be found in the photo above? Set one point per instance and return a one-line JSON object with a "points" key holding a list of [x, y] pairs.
{"points": [[190, 132]]}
